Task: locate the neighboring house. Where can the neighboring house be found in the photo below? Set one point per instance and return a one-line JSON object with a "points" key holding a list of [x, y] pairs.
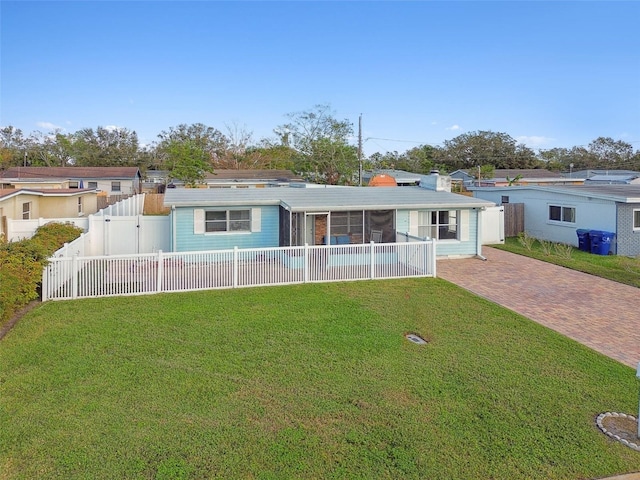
{"points": [[613, 179], [245, 179], [22, 204], [216, 219], [591, 172], [111, 181], [432, 181], [555, 213], [463, 177], [402, 178], [530, 176]]}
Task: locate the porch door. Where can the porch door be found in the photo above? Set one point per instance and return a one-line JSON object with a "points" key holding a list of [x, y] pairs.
{"points": [[316, 228]]}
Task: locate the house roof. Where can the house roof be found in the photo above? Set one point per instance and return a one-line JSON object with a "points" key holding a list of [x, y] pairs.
{"points": [[44, 192], [461, 173], [264, 175], [49, 173], [622, 193], [612, 178], [500, 173], [400, 176], [591, 172], [328, 198]]}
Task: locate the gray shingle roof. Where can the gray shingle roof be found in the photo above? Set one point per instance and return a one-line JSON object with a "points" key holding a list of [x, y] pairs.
{"points": [[23, 173], [325, 198]]}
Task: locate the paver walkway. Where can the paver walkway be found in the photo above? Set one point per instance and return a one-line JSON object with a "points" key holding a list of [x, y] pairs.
{"points": [[598, 313]]}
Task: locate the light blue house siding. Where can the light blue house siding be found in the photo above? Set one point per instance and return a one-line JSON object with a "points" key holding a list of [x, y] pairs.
{"points": [[590, 213], [187, 238], [466, 244]]}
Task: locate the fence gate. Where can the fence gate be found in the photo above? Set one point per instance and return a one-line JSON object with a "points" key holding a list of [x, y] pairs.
{"points": [[121, 235], [513, 219]]}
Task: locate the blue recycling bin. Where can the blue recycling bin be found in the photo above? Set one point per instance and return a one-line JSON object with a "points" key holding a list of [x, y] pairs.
{"points": [[584, 243], [600, 242]]}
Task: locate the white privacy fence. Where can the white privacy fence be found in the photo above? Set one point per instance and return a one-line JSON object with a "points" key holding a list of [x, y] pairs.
{"points": [[115, 275], [120, 228]]}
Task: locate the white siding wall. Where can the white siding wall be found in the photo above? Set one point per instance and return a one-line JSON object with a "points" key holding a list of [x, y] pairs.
{"points": [[591, 213]]}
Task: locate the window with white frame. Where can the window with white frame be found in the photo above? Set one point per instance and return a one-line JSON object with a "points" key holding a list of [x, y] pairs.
{"points": [[227, 221], [347, 223], [115, 186], [92, 185], [79, 205], [562, 214], [26, 211], [440, 224], [636, 219]]}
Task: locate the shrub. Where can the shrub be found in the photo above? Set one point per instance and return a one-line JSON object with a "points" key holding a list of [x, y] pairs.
{"points": [[21, 265], [563, 250], [546, 246], [526, 240]]}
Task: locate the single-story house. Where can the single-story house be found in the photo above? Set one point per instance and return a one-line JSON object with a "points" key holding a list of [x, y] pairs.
{"points": [[463, 177], [28, 204], [112, 181], [215, 219], [230, 178], [555, 213], [402, 178], [612, 179], [528, 176], [592, 172]]}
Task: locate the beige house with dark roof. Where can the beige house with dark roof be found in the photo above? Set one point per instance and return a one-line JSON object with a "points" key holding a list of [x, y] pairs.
{"points": [[26, 204], [112, 181]]}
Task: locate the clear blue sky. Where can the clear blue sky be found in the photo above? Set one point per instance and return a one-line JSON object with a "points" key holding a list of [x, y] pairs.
{"points": [[549, 74]]}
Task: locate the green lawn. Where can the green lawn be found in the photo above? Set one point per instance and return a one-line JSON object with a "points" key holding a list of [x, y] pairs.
{"points": [[308, 381], [617, 268]]}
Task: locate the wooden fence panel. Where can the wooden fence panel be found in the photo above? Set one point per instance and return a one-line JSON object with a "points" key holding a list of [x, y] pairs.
{"points": [[513, 219], [153, 204]]}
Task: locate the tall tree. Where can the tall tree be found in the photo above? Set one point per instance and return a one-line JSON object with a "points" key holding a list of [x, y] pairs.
{"points": [[611, 153], [13, 147], [235, 156], [486, 148], [188, 162], [321, 142], [188, 152], [209, 140], [105, 147]]}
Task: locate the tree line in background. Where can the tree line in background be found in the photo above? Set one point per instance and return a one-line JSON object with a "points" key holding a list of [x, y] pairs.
{"points": [[313, 144]]}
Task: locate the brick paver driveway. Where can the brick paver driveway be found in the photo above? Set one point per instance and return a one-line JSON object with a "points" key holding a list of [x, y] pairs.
{"points": [[598, 313]]}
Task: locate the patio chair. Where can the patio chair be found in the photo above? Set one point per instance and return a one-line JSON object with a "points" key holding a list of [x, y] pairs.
{"points": [[376, 236]]}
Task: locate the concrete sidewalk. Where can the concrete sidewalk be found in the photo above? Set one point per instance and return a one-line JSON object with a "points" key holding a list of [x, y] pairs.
{"points": [[598, 313]]}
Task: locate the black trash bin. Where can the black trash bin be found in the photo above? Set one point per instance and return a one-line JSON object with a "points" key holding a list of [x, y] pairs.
{"points": [[584, 243]]}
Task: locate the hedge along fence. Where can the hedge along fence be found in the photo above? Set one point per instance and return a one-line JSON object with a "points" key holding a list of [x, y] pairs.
{"points": [[21, 265]]}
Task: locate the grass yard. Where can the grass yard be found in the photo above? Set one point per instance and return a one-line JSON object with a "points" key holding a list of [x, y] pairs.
{"points": [[617, 268], [308, 381]]}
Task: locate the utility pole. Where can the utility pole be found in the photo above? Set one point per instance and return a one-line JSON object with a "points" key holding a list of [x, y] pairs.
{"points": [[360, 150]]}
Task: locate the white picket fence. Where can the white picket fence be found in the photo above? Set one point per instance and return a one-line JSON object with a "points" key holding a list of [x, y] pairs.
{"points": [[140, 274]]}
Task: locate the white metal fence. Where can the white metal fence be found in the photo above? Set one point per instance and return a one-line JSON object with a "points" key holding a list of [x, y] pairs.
{"points": [[99, 276]]}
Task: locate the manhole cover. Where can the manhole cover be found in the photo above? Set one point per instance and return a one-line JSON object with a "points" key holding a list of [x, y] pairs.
{"points": [[412, 337]]}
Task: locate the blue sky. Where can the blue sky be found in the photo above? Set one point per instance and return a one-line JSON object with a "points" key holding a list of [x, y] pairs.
{"points": [[549, 74]]}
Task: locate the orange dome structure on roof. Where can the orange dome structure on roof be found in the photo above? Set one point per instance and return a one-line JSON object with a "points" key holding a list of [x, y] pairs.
{"points": [[383, 180]]}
